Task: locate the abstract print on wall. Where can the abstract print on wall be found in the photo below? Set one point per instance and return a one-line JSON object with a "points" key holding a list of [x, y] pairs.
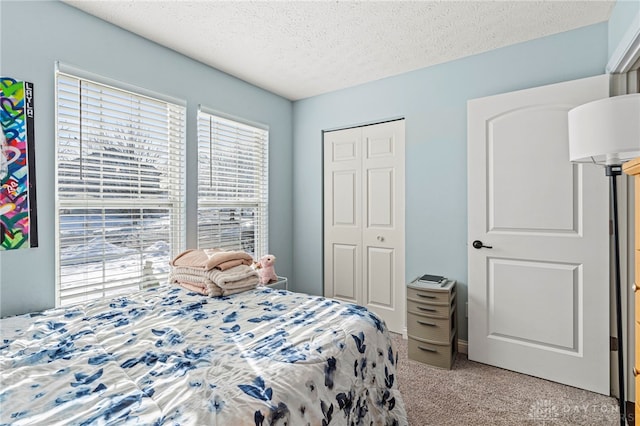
{"points": [[18, 226]]}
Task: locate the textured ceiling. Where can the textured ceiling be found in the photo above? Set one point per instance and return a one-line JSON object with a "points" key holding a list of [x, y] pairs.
{"points": [[299, 49]]}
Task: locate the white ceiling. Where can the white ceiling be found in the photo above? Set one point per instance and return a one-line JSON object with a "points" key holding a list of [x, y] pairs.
{"points": [[299, 49]]}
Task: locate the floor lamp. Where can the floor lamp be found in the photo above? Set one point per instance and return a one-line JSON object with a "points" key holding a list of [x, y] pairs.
{"points": [[607, 132]]}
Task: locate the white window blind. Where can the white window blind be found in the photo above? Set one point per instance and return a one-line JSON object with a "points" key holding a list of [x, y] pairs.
{"points": [[120, 189], [232, 185]]}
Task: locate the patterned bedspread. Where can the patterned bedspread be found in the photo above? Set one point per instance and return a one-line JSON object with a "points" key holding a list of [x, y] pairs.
{"points": [[167, 356]]}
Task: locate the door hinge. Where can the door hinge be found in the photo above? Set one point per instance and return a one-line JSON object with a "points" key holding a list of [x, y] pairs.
{"points": [[610, 227], [613, 344]]}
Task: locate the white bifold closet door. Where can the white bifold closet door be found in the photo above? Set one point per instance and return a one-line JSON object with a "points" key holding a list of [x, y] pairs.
{"points": [[364, 239]]}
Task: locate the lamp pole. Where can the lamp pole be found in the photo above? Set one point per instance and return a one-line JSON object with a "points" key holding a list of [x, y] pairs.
{"points": [[613, 171]]}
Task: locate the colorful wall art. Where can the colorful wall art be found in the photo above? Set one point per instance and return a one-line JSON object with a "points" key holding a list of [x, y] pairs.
{"points": [[18, 225]]}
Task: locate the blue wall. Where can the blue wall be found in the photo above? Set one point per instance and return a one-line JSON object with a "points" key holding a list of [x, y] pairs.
{"points": [[434, 102], [36, 34], [625, 18]]}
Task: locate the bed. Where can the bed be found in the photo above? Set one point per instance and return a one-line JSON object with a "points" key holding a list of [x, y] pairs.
{"points": [[167, 356]]}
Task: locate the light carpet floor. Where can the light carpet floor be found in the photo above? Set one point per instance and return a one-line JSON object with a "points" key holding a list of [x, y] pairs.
{"points": [[477, 394]]}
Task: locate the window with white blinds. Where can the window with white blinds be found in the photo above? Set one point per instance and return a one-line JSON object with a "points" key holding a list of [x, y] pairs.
{"points": [[120, 189], [232, 185]]}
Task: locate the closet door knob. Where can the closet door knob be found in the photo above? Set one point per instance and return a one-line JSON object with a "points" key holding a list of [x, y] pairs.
{"points": [[634, 287], [380, 238]]}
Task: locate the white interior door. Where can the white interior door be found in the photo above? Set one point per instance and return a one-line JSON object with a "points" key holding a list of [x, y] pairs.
{"points": [[539, 297], [364, 219]]}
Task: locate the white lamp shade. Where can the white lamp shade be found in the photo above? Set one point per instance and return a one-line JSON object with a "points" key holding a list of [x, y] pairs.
{"points": [[606, 131]]}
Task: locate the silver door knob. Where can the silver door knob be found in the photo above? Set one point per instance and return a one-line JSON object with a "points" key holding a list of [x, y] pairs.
{"points": [[380, 238]]}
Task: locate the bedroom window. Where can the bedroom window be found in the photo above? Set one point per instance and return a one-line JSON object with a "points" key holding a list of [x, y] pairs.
{"points": [[120, 188], [232, 185]]}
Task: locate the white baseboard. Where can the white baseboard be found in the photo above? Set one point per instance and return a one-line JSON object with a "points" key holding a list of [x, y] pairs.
{"points": [[463, 346]]}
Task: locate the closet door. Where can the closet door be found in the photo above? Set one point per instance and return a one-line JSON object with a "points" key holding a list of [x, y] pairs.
{"points": [[343, 215], [364, 219]]}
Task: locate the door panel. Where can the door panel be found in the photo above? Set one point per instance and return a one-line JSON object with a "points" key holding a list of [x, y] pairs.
{"points": [[518, 297], [539, 298], [346, 149], [380, 184], [345, 272], [516, 201], [379, 143], [380, 272], [364, 219], [344, 198]]}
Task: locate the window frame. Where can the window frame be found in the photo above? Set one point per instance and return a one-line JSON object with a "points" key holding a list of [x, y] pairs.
{"points": [[260, 203], [175, 181]]}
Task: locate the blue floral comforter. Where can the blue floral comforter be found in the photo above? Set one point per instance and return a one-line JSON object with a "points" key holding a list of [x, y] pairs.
{"points": [[167, 356]]}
